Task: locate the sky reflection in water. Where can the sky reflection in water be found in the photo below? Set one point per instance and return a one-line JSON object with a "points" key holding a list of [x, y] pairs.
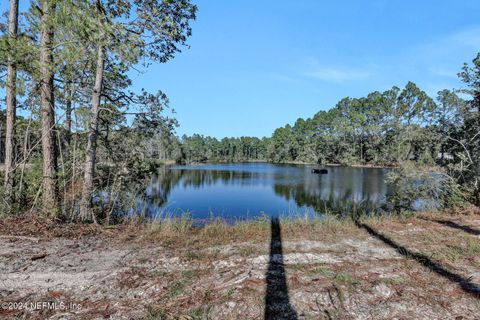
{"points": [[245, 191]]}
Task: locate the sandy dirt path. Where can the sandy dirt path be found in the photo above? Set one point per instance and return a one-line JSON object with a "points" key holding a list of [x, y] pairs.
{"points": [[415, 269]]}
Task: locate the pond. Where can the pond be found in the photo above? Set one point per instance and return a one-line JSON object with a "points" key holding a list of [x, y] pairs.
{"points": [[249, 190]]}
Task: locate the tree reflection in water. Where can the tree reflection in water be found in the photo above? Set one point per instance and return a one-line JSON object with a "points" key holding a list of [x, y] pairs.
{"points": [[342, 191]]}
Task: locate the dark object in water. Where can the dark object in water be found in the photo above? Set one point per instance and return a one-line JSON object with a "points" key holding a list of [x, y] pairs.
{"points": [[320, 171]]}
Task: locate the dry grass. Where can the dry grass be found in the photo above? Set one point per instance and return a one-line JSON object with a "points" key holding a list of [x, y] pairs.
{"points": [[182, 232]]}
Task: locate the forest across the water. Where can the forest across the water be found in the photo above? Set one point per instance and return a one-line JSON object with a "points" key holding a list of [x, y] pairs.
{"points": [[381, 129]]}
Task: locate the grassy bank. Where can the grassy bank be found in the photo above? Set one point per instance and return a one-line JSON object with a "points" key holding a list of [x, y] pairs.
{"points": [[218, 231]]}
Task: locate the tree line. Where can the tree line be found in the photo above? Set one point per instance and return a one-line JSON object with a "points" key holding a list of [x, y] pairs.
{"points": [[386, 128], [69, 111], [383, 128], [198, 148]]}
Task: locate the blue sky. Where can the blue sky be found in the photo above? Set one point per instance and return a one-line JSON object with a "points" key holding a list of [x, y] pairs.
{"points": [[256, 65]]}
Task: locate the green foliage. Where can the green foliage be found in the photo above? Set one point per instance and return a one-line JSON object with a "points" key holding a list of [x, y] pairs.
{"points": [[323, 271], [413, 187], [198, 148], [452, 194], [27, 189], [465, 136], [382, 128], [345, 278], [408, 185], [202, 313]]}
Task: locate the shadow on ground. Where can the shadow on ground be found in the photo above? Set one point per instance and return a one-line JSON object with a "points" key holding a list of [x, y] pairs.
{"points": [[464, 283], [277, 301], [458, 226]]}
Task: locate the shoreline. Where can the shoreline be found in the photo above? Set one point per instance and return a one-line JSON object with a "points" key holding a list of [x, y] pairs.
{"points": [[294, 163]]}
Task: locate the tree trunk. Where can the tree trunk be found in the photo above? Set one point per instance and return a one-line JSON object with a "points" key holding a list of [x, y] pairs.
{"points": [[68, 112], [11, 109], [49, 147], [90, 154]]}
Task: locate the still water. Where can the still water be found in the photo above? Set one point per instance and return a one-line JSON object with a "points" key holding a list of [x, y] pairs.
{"points": [[249, 190]]}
